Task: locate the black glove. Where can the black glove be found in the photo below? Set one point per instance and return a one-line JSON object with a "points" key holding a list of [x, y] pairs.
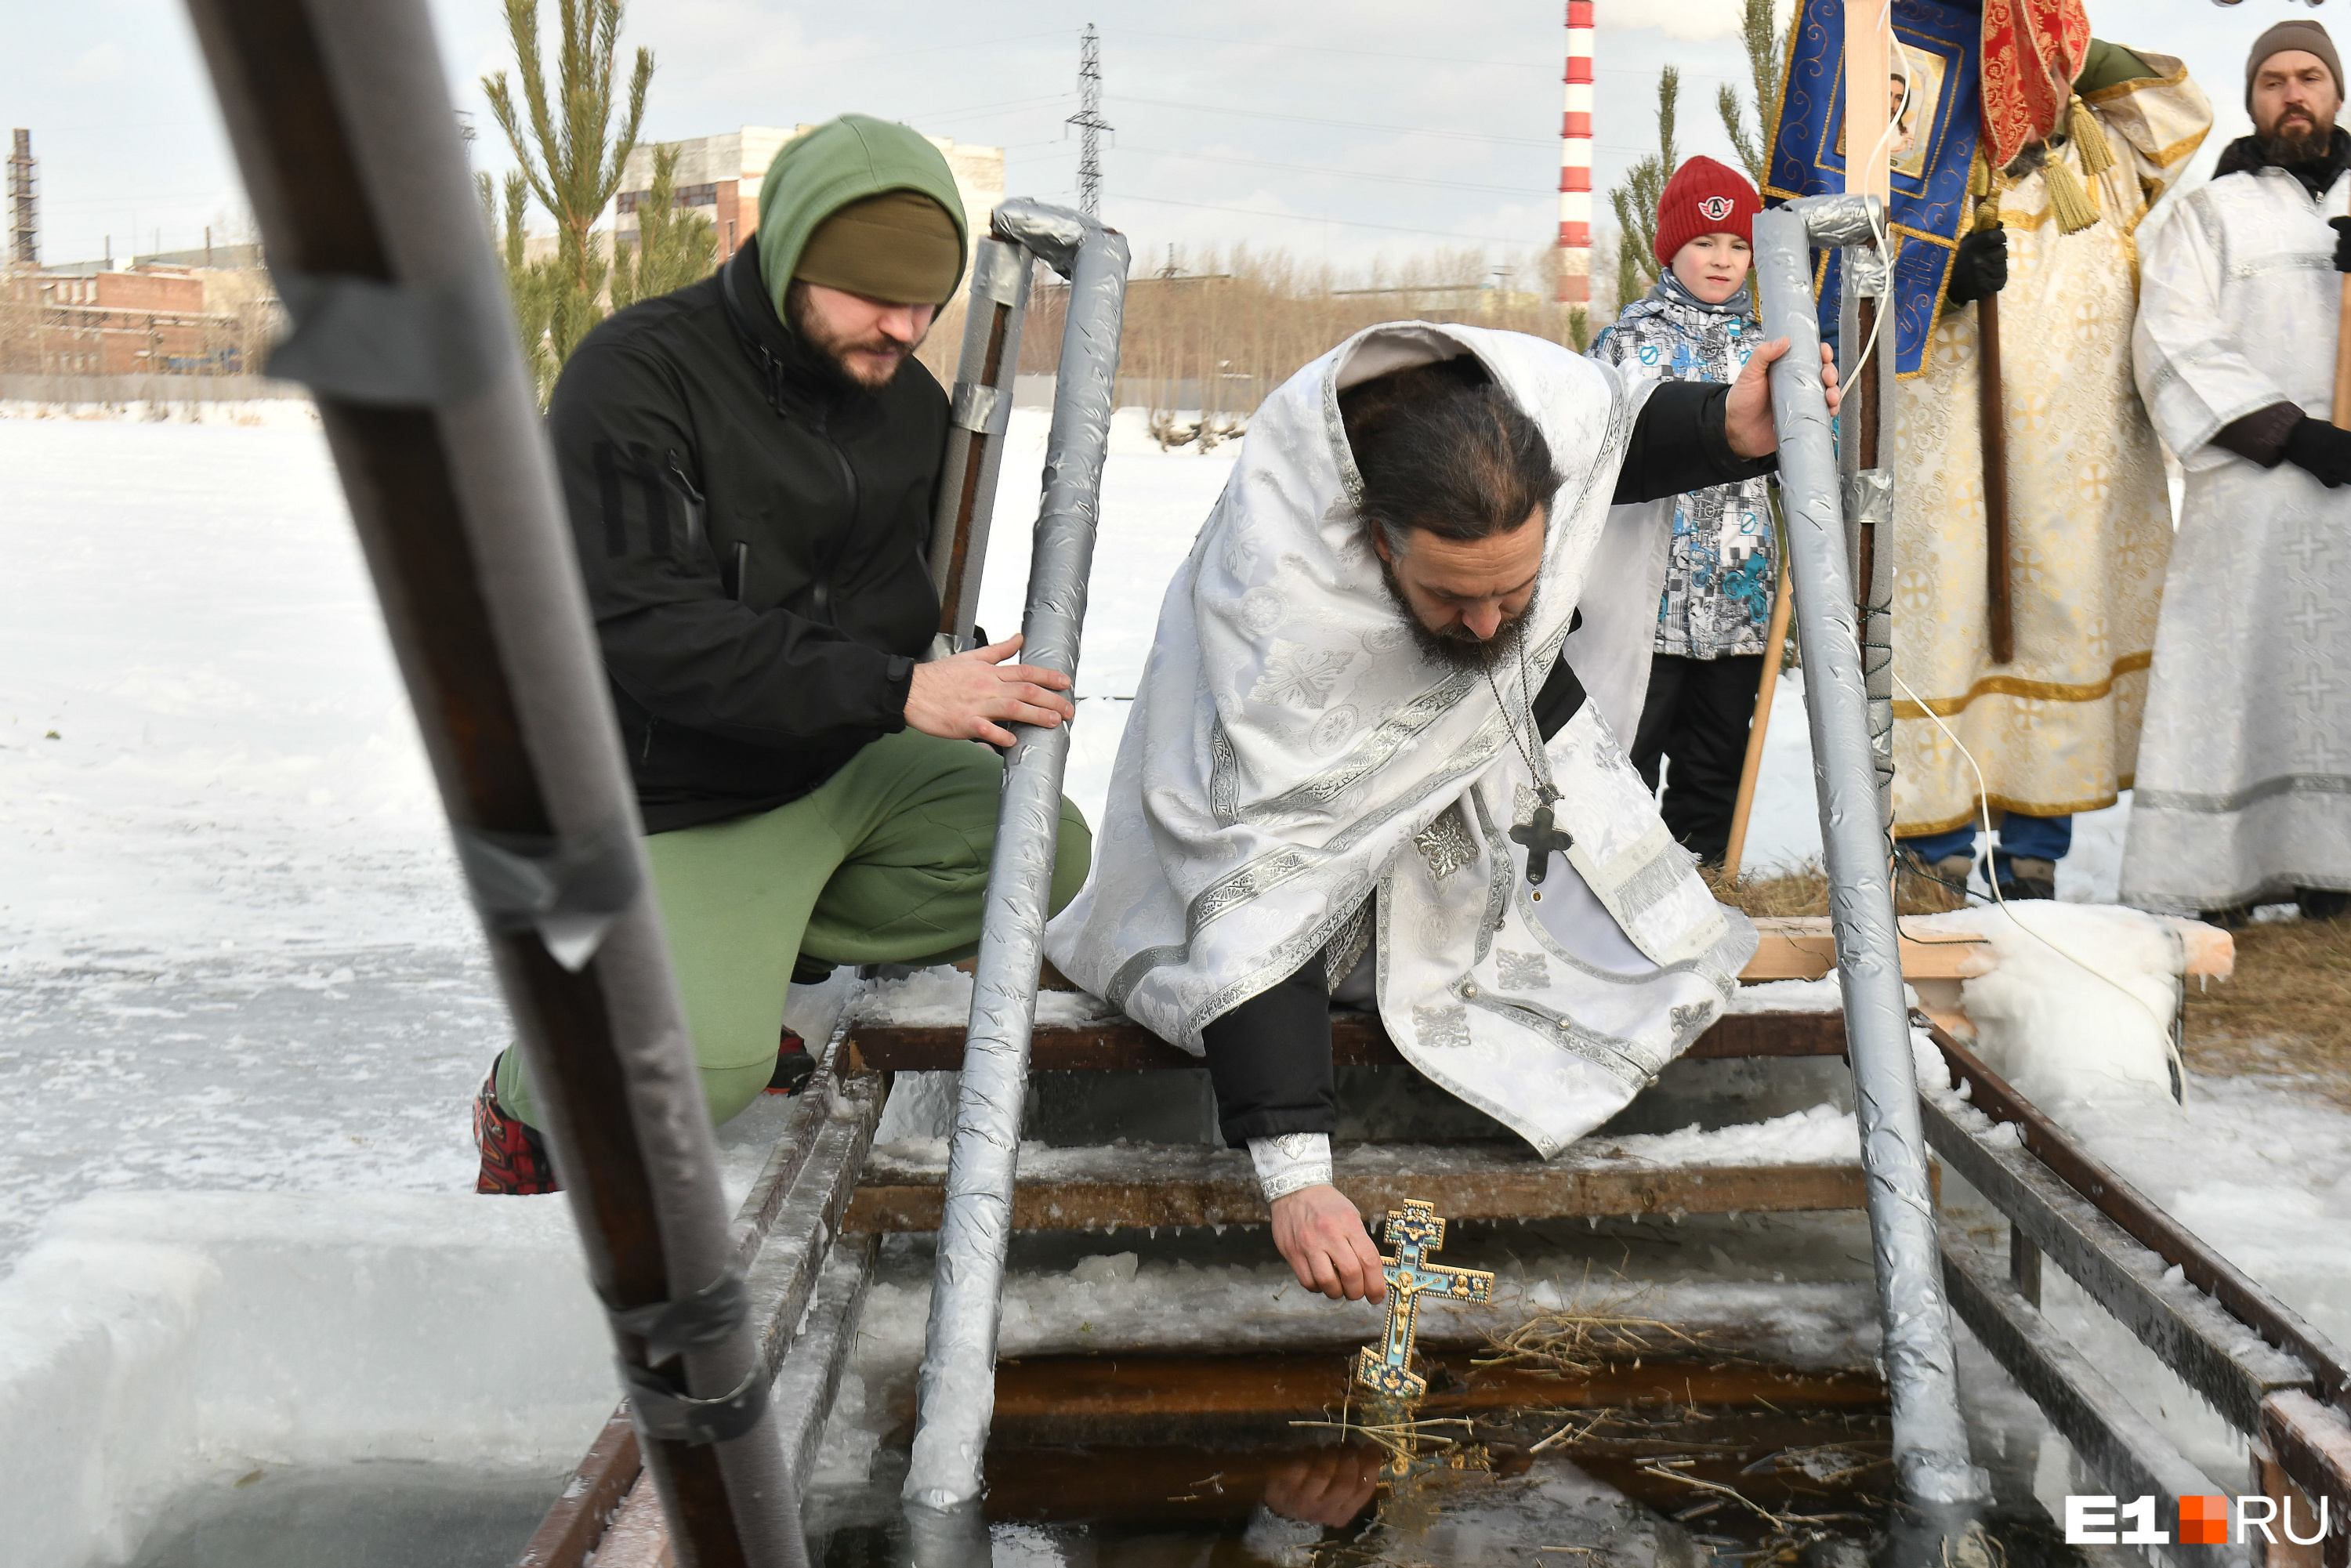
{"points": [[1980, 268], [2342, 244], [2321, 451]]}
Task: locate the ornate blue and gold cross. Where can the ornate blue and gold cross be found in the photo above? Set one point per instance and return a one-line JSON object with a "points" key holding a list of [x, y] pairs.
{"points": [[1415, 1231]]}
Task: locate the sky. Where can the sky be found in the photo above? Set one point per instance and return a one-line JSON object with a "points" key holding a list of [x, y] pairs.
{"points": [[1339, 129]]}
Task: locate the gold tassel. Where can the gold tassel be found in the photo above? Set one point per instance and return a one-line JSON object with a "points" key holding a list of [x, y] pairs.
{"points": [[2098, 152], [2068, 202]]}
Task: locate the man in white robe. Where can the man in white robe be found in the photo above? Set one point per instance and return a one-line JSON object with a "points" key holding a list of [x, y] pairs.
{"points": [[2244, 778], [1356, 724]]}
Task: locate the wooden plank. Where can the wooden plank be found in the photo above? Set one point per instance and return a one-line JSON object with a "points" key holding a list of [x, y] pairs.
{"points": [[580, 1517], [1357, 1040], [1094, 1188], [2309, 1444], [1802, 948], [1051, 1389]]}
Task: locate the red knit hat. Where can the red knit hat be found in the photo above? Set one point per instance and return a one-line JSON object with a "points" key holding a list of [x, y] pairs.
{"points": [[1704, 197]]}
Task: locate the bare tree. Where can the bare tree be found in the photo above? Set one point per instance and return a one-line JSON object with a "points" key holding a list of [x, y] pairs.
{"points": [[1636, 200], [676, 246], [1766, 45], [569, 154]]}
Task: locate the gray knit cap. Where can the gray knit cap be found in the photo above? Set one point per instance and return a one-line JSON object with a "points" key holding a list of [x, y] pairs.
{"points": [[2300, 33]]}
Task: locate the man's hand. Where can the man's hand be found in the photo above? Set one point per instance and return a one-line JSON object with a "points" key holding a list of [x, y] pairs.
{"points": [[2321, 451], [957, 698], [1330, 1486], [1323, 1240], [1746, 416]]}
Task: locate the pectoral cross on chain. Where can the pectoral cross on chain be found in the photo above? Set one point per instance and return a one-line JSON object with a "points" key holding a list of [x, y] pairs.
{"points": [[1415, 1232], [1541, 840]]}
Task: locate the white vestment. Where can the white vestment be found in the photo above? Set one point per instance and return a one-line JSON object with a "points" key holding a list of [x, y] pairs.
{"points": [[1294, 763], [2244, 777]]}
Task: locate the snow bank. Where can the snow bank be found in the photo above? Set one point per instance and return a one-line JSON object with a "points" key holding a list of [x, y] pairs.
{"points": [[251, 412], [152, 1340], [2081, 1005]]}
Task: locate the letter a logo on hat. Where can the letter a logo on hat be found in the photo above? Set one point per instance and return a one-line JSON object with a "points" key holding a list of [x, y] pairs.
{"points": [[1716, 207]]}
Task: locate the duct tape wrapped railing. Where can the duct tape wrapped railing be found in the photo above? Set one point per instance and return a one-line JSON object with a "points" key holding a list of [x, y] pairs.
{"points": [[1929, 1436], [957, 1390]]}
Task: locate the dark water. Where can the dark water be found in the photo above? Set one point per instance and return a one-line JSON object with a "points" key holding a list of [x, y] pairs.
{"points": [[1157, 1462], [380, 1515]]}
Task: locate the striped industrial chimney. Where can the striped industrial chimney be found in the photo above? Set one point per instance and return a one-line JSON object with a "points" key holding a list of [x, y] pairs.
{"points": [[1575, 162]]}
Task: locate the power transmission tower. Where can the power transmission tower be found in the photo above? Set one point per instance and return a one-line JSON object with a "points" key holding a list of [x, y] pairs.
{"points": [[1089, 120]]}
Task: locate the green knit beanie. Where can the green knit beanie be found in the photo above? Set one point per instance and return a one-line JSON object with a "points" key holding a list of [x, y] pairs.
{"points": [[845, 161]]}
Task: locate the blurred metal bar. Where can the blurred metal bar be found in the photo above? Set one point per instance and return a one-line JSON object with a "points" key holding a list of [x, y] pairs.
{"points": [[957, 1390], [343, 129]]}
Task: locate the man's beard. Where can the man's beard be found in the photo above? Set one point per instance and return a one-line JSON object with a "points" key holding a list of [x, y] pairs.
{"points": [[832, 352], [1456, 646], [2298, 141]]}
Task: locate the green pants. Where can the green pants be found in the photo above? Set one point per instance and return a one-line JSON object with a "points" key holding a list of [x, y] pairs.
{"points": [[887, 862]]}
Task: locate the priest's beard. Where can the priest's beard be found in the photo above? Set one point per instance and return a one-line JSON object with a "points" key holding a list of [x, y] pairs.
{"points": [[1455, 646]]}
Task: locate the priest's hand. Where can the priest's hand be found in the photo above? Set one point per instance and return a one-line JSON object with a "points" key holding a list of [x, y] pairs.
{"points": [[1328, 1487], [1747, 412], [1323, 1240], [961, 699]]}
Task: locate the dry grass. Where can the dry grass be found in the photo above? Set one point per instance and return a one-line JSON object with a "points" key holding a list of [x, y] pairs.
{"points": [[2287, 1010], [1806, 891]]}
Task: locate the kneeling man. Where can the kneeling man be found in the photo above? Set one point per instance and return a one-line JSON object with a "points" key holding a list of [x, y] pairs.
{"points": [[1374, 757]]}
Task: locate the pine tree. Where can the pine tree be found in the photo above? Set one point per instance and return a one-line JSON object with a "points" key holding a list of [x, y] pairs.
{"points": [[1636, 200], [530, 285], [676, 246], [1766, 46], [570, 156]]}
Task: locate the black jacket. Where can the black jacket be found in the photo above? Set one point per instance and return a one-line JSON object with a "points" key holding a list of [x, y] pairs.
{"points": [[753, 536]]}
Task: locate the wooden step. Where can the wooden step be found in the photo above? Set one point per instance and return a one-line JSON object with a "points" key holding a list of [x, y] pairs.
{"points": [[1357, 1038], [1102, 1186]]}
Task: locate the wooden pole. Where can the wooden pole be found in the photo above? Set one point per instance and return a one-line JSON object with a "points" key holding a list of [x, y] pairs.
{"points": [[1993, 422], [1775, 643]]}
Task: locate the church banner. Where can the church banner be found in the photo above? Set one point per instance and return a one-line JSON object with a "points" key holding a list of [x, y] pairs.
{"points": [[1935, 73]]}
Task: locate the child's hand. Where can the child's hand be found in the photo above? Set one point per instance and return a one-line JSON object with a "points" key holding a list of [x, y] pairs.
{"points": [[1747, 417]]}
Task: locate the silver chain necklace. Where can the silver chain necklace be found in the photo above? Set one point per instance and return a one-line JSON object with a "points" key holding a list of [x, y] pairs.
{"points": [[1540, 836]]}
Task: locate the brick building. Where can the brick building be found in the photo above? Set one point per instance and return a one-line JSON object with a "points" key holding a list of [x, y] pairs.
{"points": [[720, 176], [149, 320]]}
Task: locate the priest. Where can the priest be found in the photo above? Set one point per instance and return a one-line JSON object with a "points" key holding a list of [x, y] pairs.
{"points": [[2079, 138], [1376, 757], [2244, 780]]}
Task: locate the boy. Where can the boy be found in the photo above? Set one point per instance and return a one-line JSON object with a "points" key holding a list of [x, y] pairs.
{"points": [[1699, 324]]}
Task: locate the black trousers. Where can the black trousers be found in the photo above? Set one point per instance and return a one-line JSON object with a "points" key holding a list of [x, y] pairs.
{"points": [[1696, 714]]}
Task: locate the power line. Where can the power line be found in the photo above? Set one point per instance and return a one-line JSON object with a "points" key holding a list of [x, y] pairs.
{"points": [[1332, 49], [1317, 169], [1348, 124], [1310, 218]]}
